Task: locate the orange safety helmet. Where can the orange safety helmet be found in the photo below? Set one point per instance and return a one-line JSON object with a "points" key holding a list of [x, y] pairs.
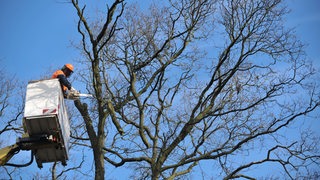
{"points": [[68, 66]]}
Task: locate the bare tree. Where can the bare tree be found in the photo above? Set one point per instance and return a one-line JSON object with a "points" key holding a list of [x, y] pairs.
{"points": [[92, 47], [7, 90], [194, 80], [10, 113]]}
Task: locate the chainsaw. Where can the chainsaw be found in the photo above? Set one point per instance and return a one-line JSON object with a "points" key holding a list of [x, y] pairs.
{"points": [[74, 94]]}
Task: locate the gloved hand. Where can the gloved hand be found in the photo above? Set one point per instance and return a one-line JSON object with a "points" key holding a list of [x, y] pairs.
{"points": [[73, 93]]}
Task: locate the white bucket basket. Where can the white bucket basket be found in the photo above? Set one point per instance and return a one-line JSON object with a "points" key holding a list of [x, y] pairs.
{"points": [[45, 114]]}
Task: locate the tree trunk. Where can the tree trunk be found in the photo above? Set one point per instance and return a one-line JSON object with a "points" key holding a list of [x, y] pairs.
{"points": [[99, 163], [97, 142]]}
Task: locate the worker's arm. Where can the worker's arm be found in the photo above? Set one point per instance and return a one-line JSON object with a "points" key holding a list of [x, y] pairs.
{"points": [[64, 81]]}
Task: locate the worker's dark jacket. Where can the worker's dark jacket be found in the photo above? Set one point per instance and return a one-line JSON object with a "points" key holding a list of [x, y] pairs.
{"points": [[65, 84]]}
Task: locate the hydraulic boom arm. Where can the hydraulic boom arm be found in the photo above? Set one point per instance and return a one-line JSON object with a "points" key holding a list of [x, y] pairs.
{"points": [[7, 153], [27, 143]]}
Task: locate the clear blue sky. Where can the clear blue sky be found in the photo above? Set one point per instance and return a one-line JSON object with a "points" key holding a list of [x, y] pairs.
{"points": [[305, 16], [36, 35]]}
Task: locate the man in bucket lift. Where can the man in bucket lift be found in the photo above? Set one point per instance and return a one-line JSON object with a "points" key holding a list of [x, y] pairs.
{"points": [[46, 134], [62, 74]]}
